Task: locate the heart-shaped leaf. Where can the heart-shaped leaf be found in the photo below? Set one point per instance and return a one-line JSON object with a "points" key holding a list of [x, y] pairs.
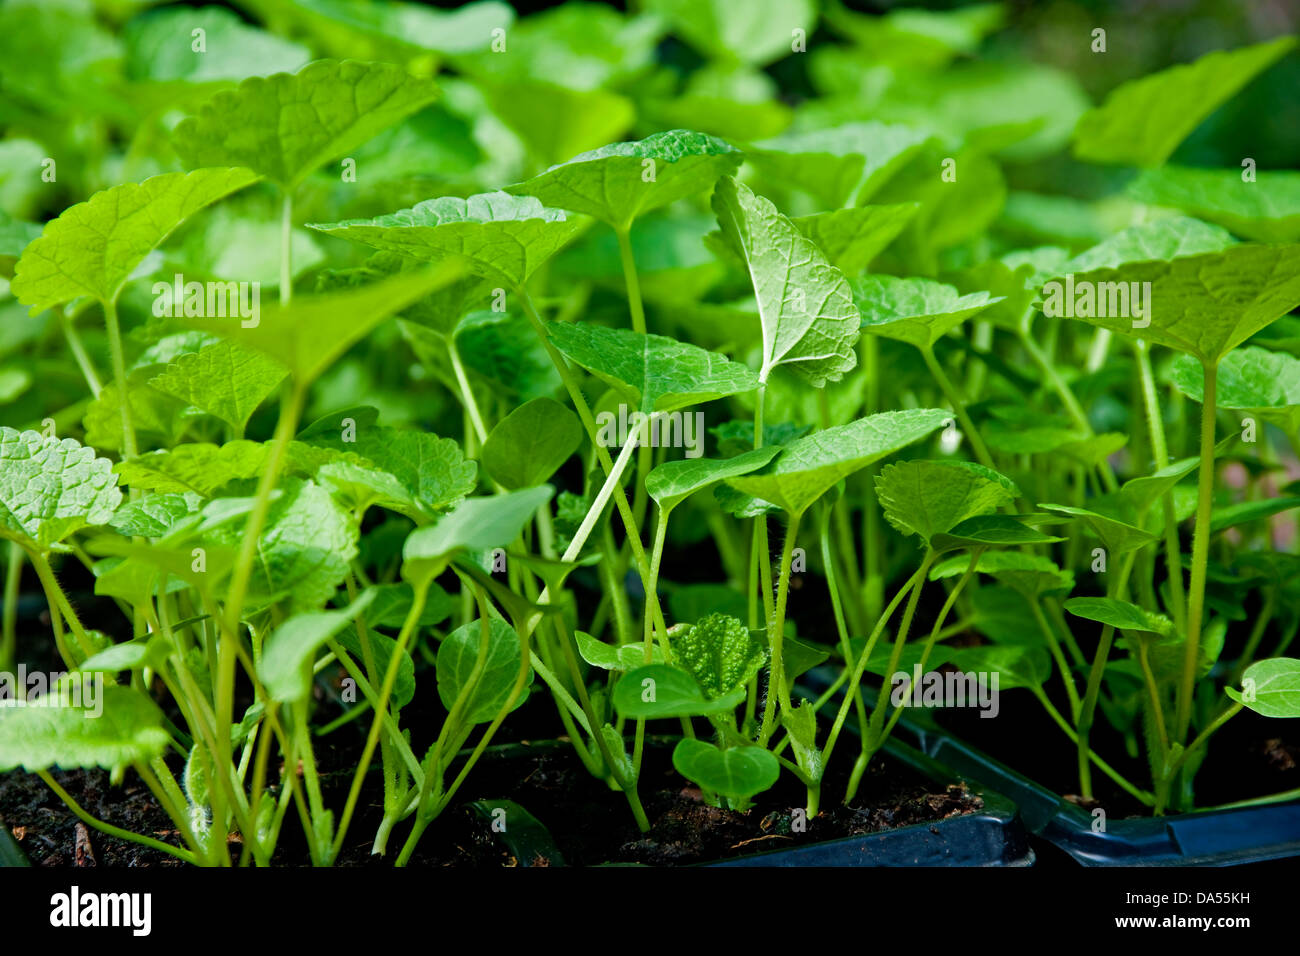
{"points": [[916, 311], [1265, 209], [223, 380], [737, 773], [607, 657], [657, 373], [285, 664], [811, 466], [457, 656], [501, 237], [1160, 239], [51, 488], [1203, 305], [754, 33], [99, 726], [310, 333], [477, 524], [673, 482], [288, 124], [719, 652], [805, 306], [1252, 380], [1143, 121], [851, 238], [842, 165], [662, 690], [1274, 688], [929, 498], [93, 247], [530, 444], [618, 182]]}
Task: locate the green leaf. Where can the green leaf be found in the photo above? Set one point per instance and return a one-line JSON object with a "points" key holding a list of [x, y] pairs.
{"points": [[15, 235], [851, 238], [842, 165], [1253, 380], [93, 247], [223, 380], [929, 498], [1142, 492], [530, 444], [412, 26], [158, 47], [1030, 575], [383, 647], [1016, 665], [1118, 536], [194, 468], [456, 659], [310, 333], [916, 311], [991, 531], [672, 482], [556, 121], [1143, 121], [1162, 239], [154, 515], [611, 184], [51, 488], [1265, 209], [1120, 614], [414, 472], [805, 305], [801, 724], [737, 773], [304, 551], [755, 32], [477, 524], [799, 657], [285, 666], [608, 657], [501, 237], [661, 690], [287, 125], [130, 656], [1274, 690], [1203, 305], [719, 652], [657, 373], [811, 466], [59, 733], [1247, 511]]}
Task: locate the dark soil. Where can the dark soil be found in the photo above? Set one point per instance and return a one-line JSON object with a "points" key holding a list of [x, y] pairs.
{"points": [[588, 822]]}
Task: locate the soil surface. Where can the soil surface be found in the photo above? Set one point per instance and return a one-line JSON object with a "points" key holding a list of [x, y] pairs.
{"points": [[587, 822]]}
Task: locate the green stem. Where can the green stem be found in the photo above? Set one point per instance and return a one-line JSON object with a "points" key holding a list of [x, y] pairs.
{"points": [[13, 579], [118, 357], [1067, 677], [79, 352], [776, 640], [1160, 458], [1141, 796], [958, 407], [633, 283], [1089, 707], [1200, 554]]}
